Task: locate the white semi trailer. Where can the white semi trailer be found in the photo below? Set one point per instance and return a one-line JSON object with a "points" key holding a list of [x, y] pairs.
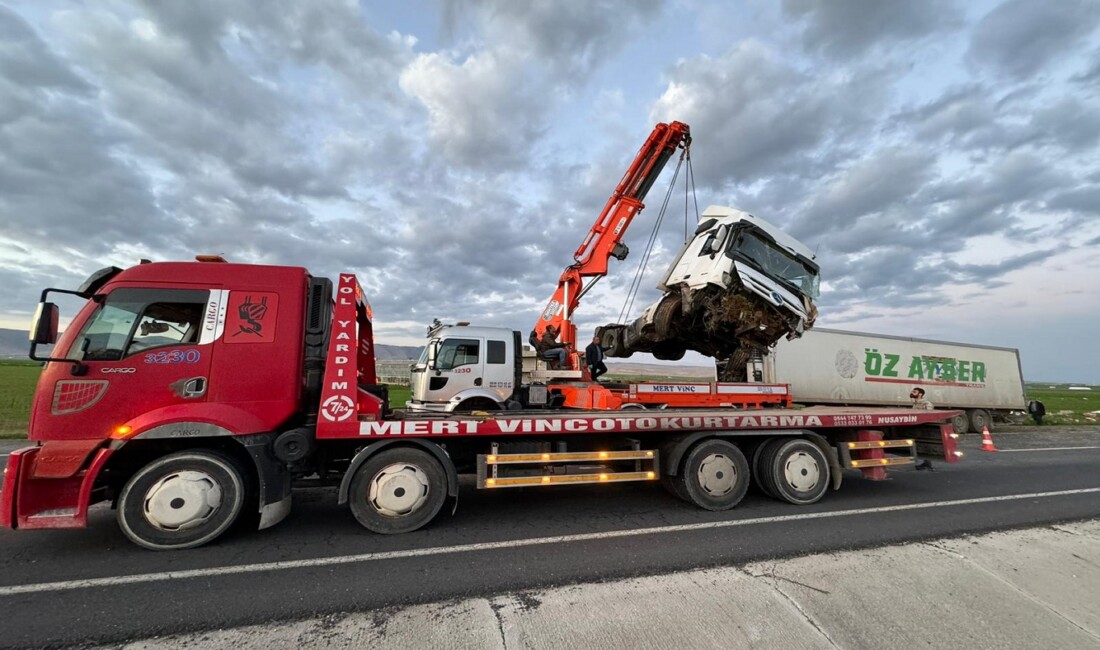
{"points": [[857, 369]]}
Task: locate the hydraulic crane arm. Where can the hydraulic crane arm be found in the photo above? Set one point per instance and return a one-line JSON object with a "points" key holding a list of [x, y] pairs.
{"points": [[604, 239]]}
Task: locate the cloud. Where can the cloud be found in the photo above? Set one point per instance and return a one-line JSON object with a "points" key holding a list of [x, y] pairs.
{"points": [[488, 104], [1020, 38], [755, 114], [481, 113], [571, 39], [846, 28], [454, 155]]}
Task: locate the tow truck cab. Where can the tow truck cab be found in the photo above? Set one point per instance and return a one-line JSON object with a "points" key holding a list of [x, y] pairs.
{"points": [[163, 357]]}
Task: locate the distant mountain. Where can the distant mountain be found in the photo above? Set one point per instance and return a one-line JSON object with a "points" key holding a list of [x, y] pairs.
{"points": [[396, 352], [14, 345]]}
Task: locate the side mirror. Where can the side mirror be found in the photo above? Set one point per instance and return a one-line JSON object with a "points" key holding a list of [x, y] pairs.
{"points": [[44, 326], [433, 351]]}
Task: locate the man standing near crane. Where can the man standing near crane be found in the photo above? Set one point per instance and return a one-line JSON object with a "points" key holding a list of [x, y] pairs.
{"points": [[593, 358]]}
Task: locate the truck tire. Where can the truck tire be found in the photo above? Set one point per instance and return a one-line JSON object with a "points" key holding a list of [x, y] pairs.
{"points": [[757, 468], [960, 423], [674, 486], [666, 319], [715, 475], [476, 404], [182, 500], [397, 491], [794, 470], [979, 418], [668, 352]]}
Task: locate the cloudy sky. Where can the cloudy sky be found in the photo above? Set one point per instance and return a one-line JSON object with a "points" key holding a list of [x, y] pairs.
{"points": [[943, 158]]}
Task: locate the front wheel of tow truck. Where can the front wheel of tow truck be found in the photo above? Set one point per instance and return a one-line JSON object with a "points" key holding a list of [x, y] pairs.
{"points": [[182, 500], [714, 476], [794, 470], [397, 491]]}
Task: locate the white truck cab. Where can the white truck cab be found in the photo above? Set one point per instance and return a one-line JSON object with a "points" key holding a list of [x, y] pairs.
{"points": [[738, 286], [729, 243], [464, 368]]}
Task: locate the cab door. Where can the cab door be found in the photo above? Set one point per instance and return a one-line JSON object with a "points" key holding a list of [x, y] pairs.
{"points": [[141, 350], [459, 365]]}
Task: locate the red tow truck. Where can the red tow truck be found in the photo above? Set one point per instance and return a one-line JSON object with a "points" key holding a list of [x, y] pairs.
{"points": [[193, 396]]}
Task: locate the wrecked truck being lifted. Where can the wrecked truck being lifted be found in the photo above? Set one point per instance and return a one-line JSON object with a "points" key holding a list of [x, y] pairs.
{"points": [[736, 288]]}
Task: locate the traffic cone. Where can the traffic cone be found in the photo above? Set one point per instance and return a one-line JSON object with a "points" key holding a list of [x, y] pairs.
{"points": [[987, 440]]}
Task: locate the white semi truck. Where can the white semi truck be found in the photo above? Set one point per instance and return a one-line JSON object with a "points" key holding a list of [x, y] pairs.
{"points": [[828, 366]]}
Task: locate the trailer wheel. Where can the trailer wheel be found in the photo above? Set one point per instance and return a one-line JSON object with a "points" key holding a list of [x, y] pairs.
{"points": [[794, 470], [979, 418], [182, 500], [397, 491], [960, 423], [715, 475]]}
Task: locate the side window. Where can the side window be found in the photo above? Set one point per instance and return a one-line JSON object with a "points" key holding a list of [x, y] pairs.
{"points": [[167, 323], [494, 352], [457, 352], [714, 241], [132, 320]]}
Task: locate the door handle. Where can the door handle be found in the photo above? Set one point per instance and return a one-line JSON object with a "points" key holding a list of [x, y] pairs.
{"points": [[194, 387]]}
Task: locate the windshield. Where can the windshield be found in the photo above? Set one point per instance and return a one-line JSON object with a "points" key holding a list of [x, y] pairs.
{"points": [[456, 352], [778, 263]]}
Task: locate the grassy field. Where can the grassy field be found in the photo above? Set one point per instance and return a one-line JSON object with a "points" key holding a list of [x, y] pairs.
{"points": [[1065, 406], [18, 379]]}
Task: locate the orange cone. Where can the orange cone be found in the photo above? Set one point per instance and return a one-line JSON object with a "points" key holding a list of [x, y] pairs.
{"points": [[987, 440]]}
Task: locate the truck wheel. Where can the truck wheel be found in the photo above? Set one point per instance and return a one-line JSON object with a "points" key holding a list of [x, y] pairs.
{"points": [[397, 491], [477, 404], [668, 352], [960, 423], [674, 486], [979, 418], [667, 318], [758, 472], [182, 500], [794, 470], [715, 475]]}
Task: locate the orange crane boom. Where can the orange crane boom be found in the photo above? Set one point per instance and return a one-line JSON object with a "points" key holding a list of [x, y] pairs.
{"points": [[604, 239]]}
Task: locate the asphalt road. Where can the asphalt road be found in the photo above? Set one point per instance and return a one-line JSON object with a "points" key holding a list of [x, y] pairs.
{"points": [[319, 561]]}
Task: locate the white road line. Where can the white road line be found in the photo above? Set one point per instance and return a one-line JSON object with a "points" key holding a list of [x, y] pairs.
{"points": [[1047, 449], [488, 546]]}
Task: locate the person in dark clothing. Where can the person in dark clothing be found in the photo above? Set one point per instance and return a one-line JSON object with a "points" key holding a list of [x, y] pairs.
{"points": [[593, 357], [550, 349], [1037, 410]]}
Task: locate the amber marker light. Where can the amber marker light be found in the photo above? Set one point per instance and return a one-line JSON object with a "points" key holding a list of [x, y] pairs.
{"points": [[124, 430]]}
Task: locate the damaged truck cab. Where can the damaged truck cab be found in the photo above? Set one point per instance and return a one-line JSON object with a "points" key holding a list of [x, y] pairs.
{"points": [[738, 286]]}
